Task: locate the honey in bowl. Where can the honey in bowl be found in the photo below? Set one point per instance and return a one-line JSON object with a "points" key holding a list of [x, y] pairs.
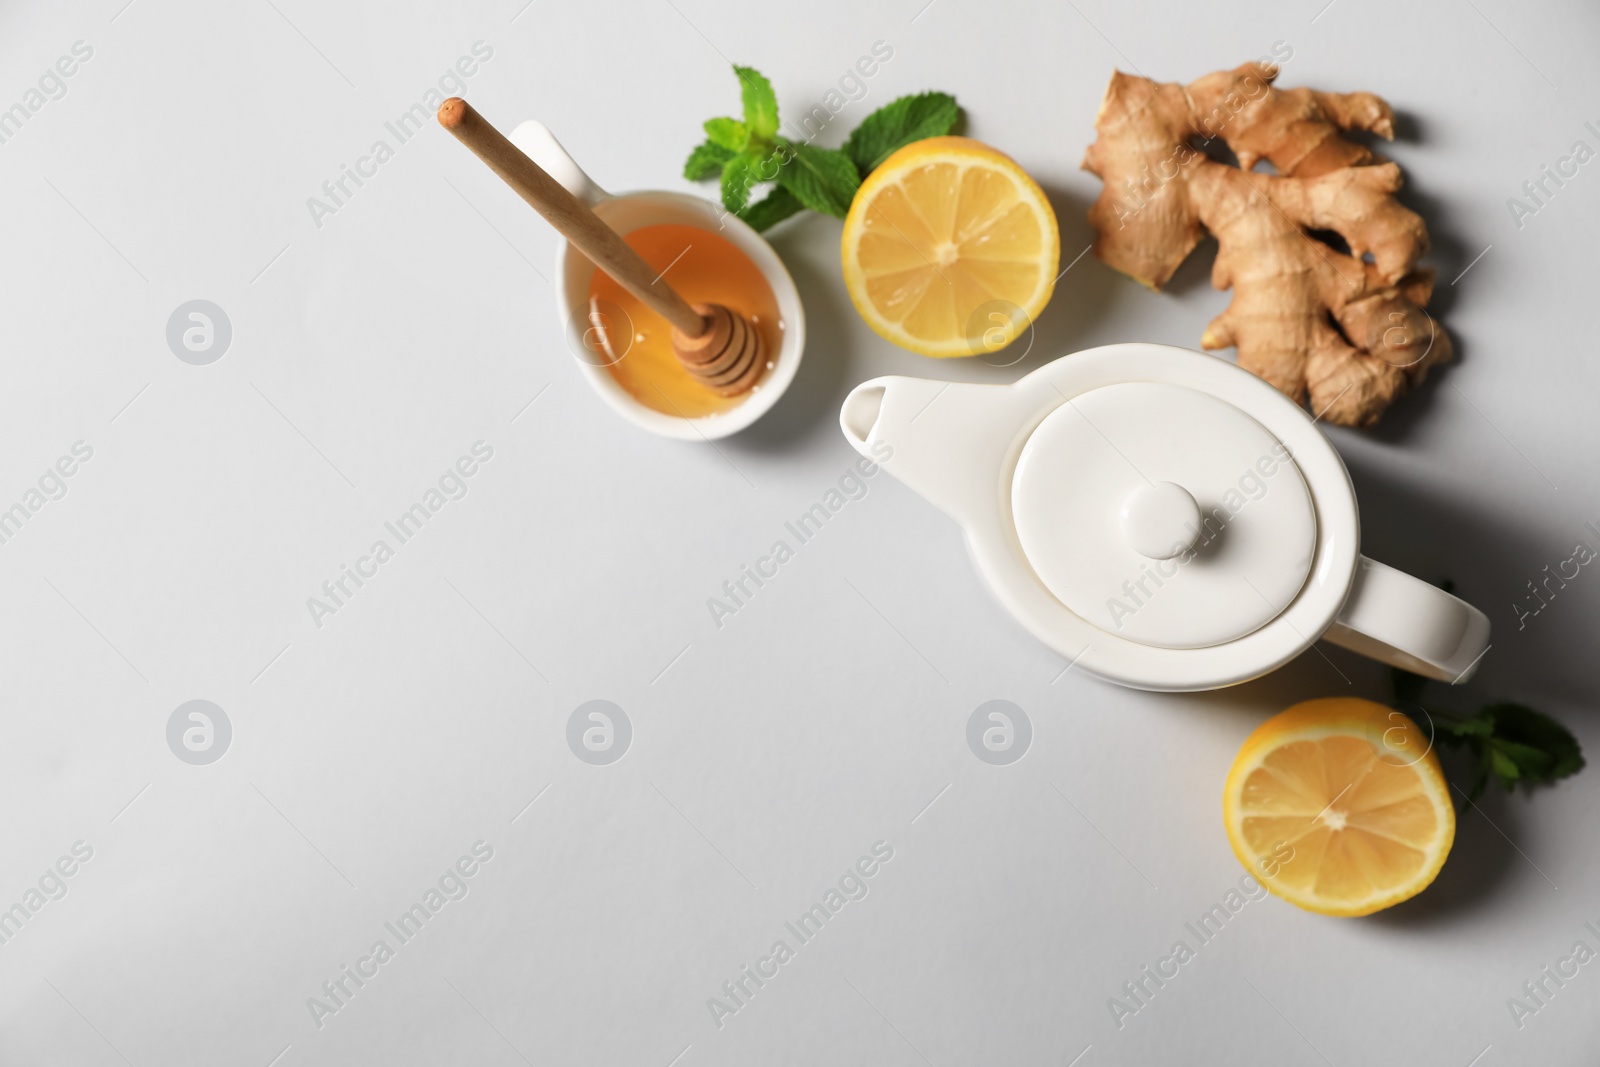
{"points": [[634, 344]]}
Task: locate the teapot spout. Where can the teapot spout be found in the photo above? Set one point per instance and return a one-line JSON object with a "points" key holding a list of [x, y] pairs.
{"points": [[947, 441]]}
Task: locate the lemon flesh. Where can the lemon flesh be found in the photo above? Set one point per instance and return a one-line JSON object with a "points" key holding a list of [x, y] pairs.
{"points": [[1340, 807], [950, 248]]}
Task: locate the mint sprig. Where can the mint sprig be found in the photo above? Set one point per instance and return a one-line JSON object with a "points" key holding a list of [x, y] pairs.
{"points": [[748, 154], [820, 178], [1511, 742], [706, 160], [897, 124], [772, 209], [737, 181], [760, 102], [728, 134]]}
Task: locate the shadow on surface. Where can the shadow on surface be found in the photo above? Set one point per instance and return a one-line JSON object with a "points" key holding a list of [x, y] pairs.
{"points": [[813, 398], [1479, 866], [1084, 292], [1086, 289], [1490, 556]]}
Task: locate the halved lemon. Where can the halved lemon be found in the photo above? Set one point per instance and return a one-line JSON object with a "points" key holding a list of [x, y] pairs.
{"points": [[950, 249], [1339, 806]]}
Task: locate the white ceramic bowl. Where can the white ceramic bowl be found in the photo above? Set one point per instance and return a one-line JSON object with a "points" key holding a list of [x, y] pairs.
{"points": [[625, 213]]}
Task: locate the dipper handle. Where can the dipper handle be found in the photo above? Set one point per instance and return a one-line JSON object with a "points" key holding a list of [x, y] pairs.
{"points": [[571, 217]]}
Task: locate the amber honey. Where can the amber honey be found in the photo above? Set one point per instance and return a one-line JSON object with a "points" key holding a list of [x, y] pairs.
{"points": [[634, 344]]}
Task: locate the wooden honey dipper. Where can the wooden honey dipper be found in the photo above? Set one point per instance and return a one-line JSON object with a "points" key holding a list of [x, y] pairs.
{"points": [[720, 348]]}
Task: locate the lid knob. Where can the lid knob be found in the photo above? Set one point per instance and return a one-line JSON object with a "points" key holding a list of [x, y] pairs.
{"points": [[1160, 520]]}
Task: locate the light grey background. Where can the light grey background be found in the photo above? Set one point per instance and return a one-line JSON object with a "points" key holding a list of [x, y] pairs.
{"points": [[830, 713]]}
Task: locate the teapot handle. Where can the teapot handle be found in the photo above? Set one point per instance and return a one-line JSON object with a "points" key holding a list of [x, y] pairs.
{"points": [[1407, 623]]}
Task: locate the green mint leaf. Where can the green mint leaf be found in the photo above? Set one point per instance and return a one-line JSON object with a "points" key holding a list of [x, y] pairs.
{"points": [[1444, 731], [1453, 729], [771, 209], [1504, 767], [728, 133], [749, 153], [707, 159], [760, 103], [737, 181], [765, 163], [897, 124], [822, 179], [1542, 748], [1533, 764], [1512, 742]]}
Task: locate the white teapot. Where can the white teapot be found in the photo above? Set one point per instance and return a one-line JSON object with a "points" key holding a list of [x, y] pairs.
{"points": [[1160, 518]]}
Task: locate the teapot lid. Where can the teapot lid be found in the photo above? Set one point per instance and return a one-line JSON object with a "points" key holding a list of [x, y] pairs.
{"points": [[1164, 515]]}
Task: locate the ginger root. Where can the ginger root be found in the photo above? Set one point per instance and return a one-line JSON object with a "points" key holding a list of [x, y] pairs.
{"points": [[1346, 334]]}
